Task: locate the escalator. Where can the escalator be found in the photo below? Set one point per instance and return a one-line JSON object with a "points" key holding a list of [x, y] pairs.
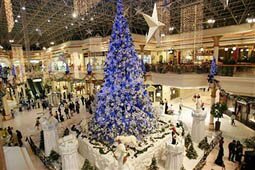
{"points": [[32, 87], [39, 88]]}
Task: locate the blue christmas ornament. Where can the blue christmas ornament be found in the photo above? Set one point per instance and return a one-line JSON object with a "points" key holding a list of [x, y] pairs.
{"points": [[67, 69], [13, 71], [123, 106]]}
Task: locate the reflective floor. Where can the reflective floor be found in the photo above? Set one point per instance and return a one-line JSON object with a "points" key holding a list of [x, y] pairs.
{"points": [[25, 122]]}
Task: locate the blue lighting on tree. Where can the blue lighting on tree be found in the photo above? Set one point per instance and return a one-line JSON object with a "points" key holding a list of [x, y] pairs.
{"points": [[213, 70], [123, 105]]}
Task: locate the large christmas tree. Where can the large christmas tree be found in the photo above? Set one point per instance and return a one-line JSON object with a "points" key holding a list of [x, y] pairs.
{"points": [[123, 105]]}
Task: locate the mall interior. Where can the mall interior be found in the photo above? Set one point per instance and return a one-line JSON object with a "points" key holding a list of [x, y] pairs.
{"points": [[127, 84]]}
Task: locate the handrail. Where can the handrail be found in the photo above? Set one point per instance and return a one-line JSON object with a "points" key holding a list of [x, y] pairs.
{"points": [[237, 65]]}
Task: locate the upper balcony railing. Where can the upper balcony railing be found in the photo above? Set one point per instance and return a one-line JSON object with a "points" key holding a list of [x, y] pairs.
{"points": [[235, 70]]}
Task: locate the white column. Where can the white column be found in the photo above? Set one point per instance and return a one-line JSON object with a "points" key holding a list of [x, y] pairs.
{"points": [[174, 156], [68, 147], [49, 127], [6, 107], [198, 125]]}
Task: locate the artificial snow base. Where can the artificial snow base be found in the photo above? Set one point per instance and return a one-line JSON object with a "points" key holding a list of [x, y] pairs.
{"points": [[102, 157]]}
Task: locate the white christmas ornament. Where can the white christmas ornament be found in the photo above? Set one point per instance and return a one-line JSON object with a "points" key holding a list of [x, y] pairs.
{"points": [[154, 25]]}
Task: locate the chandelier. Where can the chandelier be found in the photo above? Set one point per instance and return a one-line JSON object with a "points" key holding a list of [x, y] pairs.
{"points": [[9, 14]]}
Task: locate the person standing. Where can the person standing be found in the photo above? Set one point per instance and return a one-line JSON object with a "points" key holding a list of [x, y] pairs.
{"points": [[19, 137], [57, 116], [231, 150], [83, 100], [166, 106], [9, 130], [239, 152], [89, 69], [37, 123], [180, 106], [59, 109], [66, 110], [12, 113], [233, 117], [77, 107], [219, 160]]}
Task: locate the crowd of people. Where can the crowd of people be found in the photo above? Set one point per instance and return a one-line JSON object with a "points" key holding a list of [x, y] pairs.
{"points": [[68, 106], [13, 138]]}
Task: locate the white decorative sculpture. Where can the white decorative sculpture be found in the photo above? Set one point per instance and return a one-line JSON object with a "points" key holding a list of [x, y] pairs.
{"points": [[121, 156], [127, 140], [49, 127], [174, 154], [154, 25], [68, 147], [198, 125]]}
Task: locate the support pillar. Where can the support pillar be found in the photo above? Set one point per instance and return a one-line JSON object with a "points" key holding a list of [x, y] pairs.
{"points": [[68, 147], [213, 96], [216, 47], [7, 110]]}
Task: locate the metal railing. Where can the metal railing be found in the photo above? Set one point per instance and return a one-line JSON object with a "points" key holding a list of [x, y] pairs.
{"points": [[235, 70]]}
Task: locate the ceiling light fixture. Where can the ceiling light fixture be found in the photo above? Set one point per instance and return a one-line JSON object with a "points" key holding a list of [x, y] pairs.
{"points": [[66, 27], [171, 29], [23, 8], [74, 15], [226, 49], [48, 20], [18, 16], [91, 19], [234, 48], [250, 20], [72, 24], [211, 21], [44, 48], [52, 43], [11, 41], [82, 19], [16, 21]]}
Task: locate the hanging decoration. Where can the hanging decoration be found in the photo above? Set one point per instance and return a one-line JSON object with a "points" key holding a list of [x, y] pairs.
{"points": [[9, 14], [154, 24], [13, 71], [81, 7]]}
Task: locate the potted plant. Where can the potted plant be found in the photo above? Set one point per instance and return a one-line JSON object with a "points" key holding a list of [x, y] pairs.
{"points": [[217, 111]]}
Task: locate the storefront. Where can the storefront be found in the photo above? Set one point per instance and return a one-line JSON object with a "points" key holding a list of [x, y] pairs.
{"points": [[243, 107]]}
